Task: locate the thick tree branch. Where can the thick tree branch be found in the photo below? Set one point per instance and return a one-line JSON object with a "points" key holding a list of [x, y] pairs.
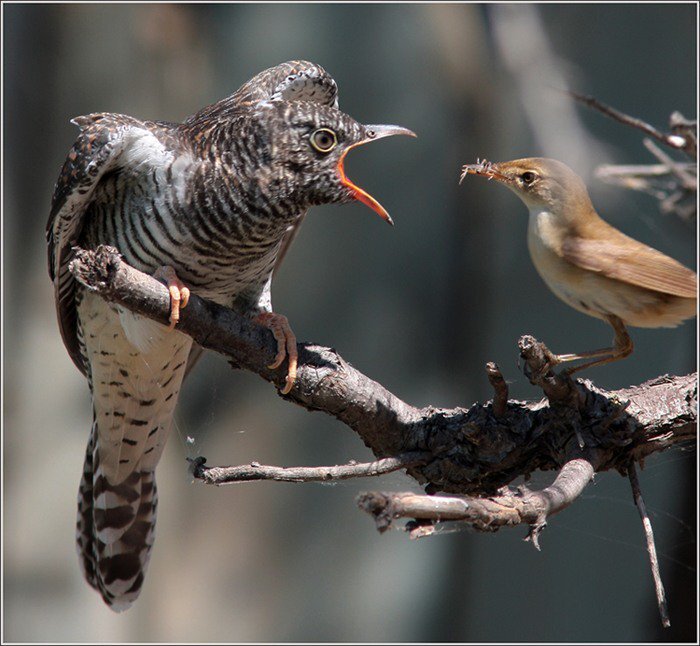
{"points": [[472, 450], [485, 513]]}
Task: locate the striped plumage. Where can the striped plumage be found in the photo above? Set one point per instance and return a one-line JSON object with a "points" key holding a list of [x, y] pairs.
{"points": [[215, 197]]}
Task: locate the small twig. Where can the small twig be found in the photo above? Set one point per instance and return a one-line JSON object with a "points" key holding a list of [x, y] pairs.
{"points": [[655, 179], [255, 471], [674, 141], [500, 389], [688, 181], [651, 547], [627, 171], [673, 183]]}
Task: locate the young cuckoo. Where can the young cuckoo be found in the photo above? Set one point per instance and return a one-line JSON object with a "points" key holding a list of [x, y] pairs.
{"points": [[207, 205]]}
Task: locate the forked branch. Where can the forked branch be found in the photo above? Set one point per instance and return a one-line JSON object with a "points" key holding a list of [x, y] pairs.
{"points": [[673, 183], [471, 452]]}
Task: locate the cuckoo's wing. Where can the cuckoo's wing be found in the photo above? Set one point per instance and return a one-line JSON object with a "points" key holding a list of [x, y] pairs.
{"points": [[634, 263], [106, 143]]}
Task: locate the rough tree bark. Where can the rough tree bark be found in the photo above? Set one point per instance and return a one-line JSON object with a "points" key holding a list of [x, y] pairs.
{"points": [[472, 453]]}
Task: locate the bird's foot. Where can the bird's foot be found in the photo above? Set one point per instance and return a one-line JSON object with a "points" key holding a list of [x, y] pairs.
{"points": [[286, 344], [179, 293], [548, 361]]}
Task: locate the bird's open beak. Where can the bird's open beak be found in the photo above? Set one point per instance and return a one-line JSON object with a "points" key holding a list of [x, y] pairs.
{"points": [[486, 169], [373, 133]]}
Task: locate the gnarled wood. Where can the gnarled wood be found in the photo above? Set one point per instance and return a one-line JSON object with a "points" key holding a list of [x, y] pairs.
{"points": [[474, 450]]}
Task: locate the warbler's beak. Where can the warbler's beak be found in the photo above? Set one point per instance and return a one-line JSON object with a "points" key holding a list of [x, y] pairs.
{"points": [[486, 169], [373, 133]]}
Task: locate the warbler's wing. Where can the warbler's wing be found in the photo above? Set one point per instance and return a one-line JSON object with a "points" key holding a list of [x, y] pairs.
{"points": [[632, 262]]}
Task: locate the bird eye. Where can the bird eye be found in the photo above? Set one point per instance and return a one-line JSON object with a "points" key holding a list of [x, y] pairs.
{"points": [[323, 140], [528, 177]]}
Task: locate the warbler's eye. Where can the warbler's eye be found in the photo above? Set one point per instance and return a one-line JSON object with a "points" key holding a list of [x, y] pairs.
{"points": [[528, 177], [323, 140]]}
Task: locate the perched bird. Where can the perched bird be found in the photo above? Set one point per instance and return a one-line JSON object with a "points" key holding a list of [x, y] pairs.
{"points": [[206, 205], [589, 264]]}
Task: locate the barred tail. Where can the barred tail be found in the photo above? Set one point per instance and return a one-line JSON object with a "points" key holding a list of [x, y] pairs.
{"points": [[115, 529]]}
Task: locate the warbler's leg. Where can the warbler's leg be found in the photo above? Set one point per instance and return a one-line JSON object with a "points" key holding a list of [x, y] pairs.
{"points": [[622, 347]]}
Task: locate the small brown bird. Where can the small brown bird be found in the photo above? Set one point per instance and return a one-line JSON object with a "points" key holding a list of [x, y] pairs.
{"points": [[589, 264]]}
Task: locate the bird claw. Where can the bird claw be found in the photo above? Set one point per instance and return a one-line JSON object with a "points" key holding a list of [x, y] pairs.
{"points": [[286, 345], [179, 293]]}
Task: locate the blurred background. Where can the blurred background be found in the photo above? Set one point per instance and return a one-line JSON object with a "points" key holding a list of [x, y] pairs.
{"points": [[420, 308]]}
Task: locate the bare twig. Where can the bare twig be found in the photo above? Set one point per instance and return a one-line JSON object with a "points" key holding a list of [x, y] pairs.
{"points": [[688, 180], [673, 141], [673, 183], [255, 471], [500, 389], [641, 176], [651, 547]]}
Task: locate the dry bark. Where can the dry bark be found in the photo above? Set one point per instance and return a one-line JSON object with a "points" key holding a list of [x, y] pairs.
{"points": [[470, 453], [475, 451]]}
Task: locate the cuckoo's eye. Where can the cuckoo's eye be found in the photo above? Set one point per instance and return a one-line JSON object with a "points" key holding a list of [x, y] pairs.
{"points": [[323, 140], [528, 177]]}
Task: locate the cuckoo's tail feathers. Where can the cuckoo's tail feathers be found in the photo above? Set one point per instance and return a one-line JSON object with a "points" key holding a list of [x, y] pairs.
{"points": [[115, 530]]}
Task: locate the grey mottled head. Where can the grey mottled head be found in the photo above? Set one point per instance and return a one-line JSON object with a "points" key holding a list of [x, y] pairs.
{"points": [[282, 135], [305, 146]]}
